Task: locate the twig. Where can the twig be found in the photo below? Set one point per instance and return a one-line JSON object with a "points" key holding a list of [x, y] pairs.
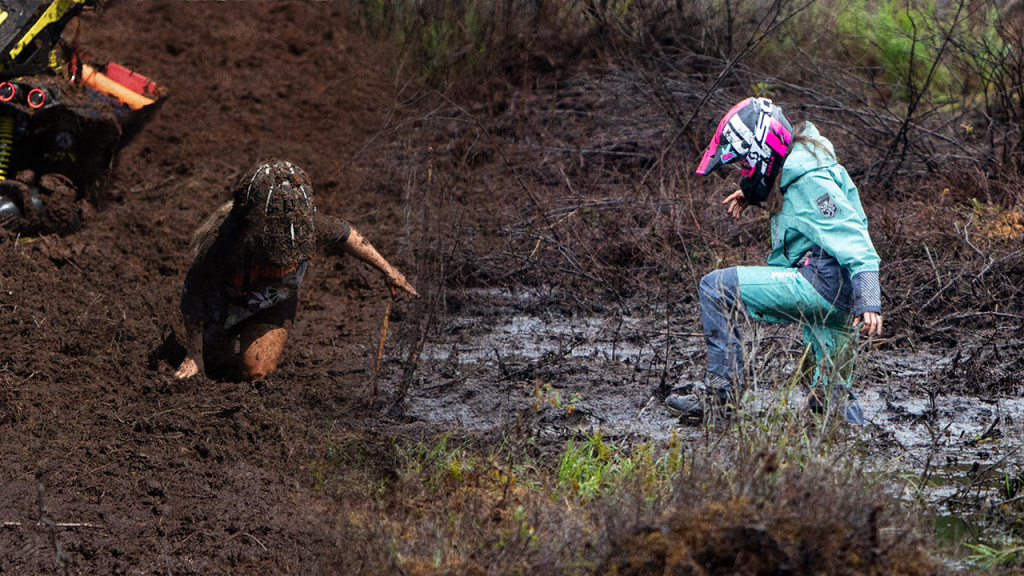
{"points": [[991, 260], [644, 407], [938, 278], [972, 315], [380, 345], [55, 524], [62, 557]]}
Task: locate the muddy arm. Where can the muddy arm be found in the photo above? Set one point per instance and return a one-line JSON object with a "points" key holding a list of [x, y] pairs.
{"points": [[193, 362], [193, 311], [361, 248]]}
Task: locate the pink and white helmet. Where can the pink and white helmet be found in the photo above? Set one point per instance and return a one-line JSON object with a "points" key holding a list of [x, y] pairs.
{"points": [[756, 132]]}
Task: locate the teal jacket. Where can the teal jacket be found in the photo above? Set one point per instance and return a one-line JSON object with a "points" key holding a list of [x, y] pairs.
{"points": [[821, 208]]}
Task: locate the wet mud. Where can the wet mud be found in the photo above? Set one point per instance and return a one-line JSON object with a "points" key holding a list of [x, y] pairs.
{"points": [[574, 376], [136, 471]]}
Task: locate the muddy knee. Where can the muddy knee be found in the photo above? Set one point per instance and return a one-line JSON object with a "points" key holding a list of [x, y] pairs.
{"points": [[720, 286], [262, 353]]}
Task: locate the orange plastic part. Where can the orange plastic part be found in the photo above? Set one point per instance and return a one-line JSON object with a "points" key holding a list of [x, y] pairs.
{"points": [[96, 79]]}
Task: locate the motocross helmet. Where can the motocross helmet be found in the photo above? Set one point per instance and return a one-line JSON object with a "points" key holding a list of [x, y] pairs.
{"points": [[274, 201], [757, 133]]}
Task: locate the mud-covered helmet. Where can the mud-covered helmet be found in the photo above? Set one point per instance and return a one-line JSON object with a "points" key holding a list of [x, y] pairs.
{"points": [[274, 200], [756, 133]]}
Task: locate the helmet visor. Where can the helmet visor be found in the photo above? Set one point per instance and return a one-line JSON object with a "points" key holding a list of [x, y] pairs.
{"points": [[721, 151]]}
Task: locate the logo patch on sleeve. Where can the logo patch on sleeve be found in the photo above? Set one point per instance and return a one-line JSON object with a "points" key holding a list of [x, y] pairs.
{"points": [[826, 206]]}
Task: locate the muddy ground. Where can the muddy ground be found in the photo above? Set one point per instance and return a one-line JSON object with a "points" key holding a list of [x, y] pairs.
{"points": [[145, 474]]}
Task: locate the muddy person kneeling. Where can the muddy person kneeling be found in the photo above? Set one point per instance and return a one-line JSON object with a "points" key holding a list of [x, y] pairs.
{"points": [[248, 260]]}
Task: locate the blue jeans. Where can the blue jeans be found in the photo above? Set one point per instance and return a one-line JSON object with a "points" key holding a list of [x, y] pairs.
{"points": [[774, 294]]}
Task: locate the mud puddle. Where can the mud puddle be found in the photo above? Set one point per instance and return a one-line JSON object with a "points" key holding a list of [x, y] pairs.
{"points": [[507, 360], [503, 360]]}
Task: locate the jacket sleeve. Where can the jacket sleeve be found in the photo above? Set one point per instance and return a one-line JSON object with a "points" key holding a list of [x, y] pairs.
{"points": [[826, 216], [330, 230]]}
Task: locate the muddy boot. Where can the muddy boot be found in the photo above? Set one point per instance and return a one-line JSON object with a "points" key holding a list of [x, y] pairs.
{"points": [[686, 407], [713, 398], [843, 399], [852, 412], [720, 396]]}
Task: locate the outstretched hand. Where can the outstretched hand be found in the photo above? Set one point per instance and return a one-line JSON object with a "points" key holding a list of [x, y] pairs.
{"points": [[736, 203], [397, 280], [870, 323]]}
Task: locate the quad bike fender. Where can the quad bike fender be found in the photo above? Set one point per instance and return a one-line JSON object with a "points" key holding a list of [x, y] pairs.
{"points": [[105, 84]]}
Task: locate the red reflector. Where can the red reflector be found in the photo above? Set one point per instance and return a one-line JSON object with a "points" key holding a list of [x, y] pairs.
{"points": [[36, 98], [7, 91]]}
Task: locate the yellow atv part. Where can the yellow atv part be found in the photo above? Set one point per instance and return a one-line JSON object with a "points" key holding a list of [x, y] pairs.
{"points": [[30, 29]]}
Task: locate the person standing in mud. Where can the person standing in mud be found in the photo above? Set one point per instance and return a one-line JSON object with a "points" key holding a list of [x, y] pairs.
{"points": [[822, 271], [248, 260]]}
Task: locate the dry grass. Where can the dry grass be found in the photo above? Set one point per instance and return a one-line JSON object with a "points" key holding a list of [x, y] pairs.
{"points": [[772, 499]]}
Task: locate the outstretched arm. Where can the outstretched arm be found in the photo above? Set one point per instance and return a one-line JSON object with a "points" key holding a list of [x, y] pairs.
{"points": [[193, 362], [192, 310], [360, 247]]}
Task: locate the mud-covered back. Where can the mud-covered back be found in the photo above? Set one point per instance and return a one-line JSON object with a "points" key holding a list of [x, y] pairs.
{"points": [[274, 203]]}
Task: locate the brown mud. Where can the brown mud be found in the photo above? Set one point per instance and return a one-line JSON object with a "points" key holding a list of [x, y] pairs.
{"points": [[145, 473], [142, 473]]}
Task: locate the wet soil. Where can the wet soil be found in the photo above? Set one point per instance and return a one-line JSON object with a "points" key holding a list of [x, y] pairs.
{"points": [[141, 473], [590, 374]]}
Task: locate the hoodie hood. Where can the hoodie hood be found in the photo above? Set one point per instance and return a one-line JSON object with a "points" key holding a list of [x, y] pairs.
{"points": [[805, 157]]}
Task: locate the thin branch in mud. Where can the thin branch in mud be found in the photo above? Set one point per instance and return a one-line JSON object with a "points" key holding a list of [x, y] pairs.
{"points": [[966, 315], [397, 407], [62, 558], [411, 361], [938, 294], [979, 478], [935, 434], [56, 524], [938, 278], [250, 536], [456, 381], [380, 344], [975, 248]]}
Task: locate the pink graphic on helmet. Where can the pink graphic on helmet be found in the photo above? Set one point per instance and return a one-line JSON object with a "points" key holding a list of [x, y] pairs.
{"points": [[780, 146], [712, 150], [748, 170]]}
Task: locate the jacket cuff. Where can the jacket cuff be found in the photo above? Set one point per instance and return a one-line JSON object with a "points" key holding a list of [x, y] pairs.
{"points": [[867, 293]]}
